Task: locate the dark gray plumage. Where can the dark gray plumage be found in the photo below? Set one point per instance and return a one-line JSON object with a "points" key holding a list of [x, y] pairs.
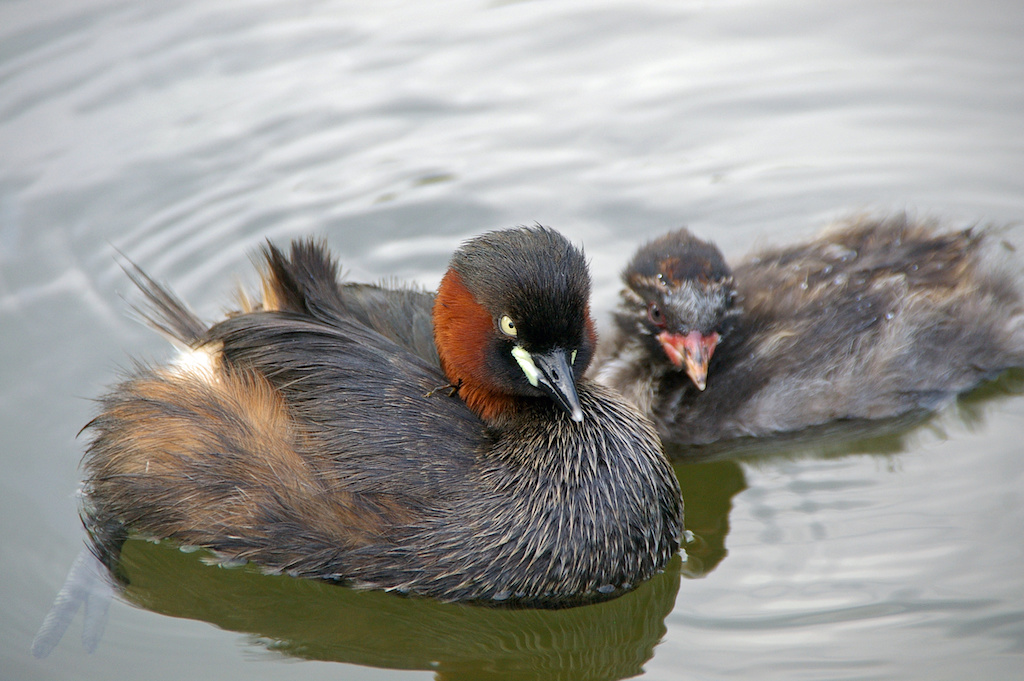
{"points": [[308, 435], [873, 319]]}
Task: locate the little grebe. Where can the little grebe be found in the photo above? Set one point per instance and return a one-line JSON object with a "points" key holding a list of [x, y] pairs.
{"points": [[316, 434], [873, 319]]}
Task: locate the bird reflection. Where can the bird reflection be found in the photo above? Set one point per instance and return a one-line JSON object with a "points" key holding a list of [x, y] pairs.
{"points": [[322, 621], [708, 489]]}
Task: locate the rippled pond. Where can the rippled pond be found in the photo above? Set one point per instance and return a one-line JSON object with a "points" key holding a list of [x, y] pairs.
{"points": [[185, 134]]}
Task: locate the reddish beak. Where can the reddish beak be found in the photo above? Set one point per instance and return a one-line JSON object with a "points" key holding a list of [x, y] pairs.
{"points": [[692, 351]]}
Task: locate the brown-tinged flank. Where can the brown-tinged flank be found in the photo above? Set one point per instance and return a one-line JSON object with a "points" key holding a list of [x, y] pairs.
{"points": [[164, 429]]}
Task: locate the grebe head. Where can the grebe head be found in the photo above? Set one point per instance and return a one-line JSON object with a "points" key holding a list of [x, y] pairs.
{"points": [[679, 293], [512, 320]]}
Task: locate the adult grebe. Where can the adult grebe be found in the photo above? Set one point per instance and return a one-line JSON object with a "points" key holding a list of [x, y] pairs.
{"points": [[316, 434]]}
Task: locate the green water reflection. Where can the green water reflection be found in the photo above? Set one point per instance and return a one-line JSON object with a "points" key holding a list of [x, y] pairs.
{"points": [[321, 621], [315, 620]]}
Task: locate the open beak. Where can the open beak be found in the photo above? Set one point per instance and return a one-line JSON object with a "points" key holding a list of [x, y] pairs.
{"points": [[552, 371], [691, 351]]}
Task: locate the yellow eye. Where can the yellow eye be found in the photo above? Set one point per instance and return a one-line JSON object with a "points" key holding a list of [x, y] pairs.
{"points": [[507, 326]]}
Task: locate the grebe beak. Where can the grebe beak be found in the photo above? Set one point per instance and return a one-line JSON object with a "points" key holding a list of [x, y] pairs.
{"points": [[553, 372], [693, 350]]}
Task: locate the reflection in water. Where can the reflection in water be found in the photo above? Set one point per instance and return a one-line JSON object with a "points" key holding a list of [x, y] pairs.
{"points": [[710, 475], [832, 440], [882, 437], [321, 621], [971, 406], [708, 489]]}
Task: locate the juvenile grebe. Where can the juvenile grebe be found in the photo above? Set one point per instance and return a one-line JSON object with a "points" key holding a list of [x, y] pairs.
{"points": [[316, 434], [873, 319]]}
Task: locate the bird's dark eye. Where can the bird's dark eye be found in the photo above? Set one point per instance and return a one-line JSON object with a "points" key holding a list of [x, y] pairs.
{"points": [[655, 315]]}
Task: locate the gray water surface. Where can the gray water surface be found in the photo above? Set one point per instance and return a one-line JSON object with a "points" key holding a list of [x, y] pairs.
{"points": [[187, 133]]}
